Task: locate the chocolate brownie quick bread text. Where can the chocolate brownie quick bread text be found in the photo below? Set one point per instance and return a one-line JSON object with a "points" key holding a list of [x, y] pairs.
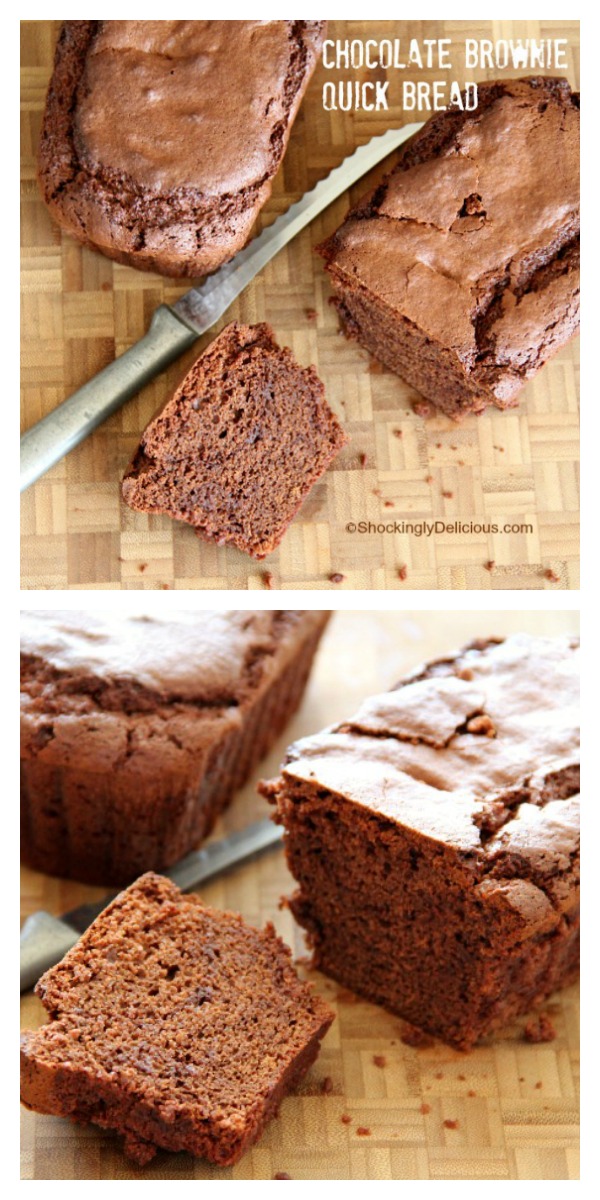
{"points": [[160, 138], [435, 838], [137, 730], [460, 271], [175, 1025], [238, 447]]}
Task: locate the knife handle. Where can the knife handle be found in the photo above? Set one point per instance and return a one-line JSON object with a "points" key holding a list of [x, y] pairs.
{"points": [[51, 438], [44, 941]]}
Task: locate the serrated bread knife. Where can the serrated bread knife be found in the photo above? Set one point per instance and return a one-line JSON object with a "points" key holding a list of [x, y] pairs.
{"points": [[45, 939], [174, 328]]}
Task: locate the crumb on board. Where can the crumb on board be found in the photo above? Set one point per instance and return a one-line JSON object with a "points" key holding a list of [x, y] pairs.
{"points": [[337, 577], [142, 567], [551, 575], [327, 1085], [388, 504], [397, 433], [448, 495], [363, 1131], [282, 1175], [311, 314], [489, 565], [346, 1119], [362, 460], [538, 1085], [449, 1123], [429, 479], [425, 1108], [267, 578], [379, 1060], [471, 1092], [422, 409], [402, 573]]}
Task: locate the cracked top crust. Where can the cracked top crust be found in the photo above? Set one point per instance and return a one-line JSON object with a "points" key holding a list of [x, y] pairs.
{"points": [[102, 690], [143, 153], [479, 752], [474, 237], [183, 85]]}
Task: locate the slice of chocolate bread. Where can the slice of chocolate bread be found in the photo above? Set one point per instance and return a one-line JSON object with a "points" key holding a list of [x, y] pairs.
{"points": [[238, 447], [176, 1025]]}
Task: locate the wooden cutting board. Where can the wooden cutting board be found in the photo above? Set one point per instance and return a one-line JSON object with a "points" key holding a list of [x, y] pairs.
{"points": [[80, 310], [515, 1104]]}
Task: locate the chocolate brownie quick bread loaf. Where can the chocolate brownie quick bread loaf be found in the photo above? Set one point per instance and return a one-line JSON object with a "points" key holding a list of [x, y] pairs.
{"points": [[238, 447], [435, 838], [136, 731], [178, 1026], [160, 138], [460, 271]]}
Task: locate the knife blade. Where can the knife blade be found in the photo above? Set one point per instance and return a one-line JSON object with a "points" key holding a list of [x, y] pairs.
{"points": [[174, 328], [45, 939]]}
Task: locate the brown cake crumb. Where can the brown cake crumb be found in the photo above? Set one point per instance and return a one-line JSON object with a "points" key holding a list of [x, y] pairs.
{"points": [[282, 1175], [539, 1029], [388, 504], [450, 1124], [142, 567], [327, 1085], [268, 579], [429, 479], [538, 1085], [423, 409], [311, 314], [471, 1092], [362, 459], [425, 1109], [462, 1078], [346, 1119], [379, 1060], [363, 1131], [489, 565], [551, 575], [448, 495], [337, 577], [402, 573], [397, 433]]}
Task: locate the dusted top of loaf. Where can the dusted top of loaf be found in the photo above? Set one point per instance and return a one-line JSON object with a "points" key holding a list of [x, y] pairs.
{"points": [[470, 237], [204, 101], [479, 752], [204, 656]]}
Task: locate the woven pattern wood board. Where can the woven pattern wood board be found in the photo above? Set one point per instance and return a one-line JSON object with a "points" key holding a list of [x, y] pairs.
{"points": [[515, 469], [515, 1104]]}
